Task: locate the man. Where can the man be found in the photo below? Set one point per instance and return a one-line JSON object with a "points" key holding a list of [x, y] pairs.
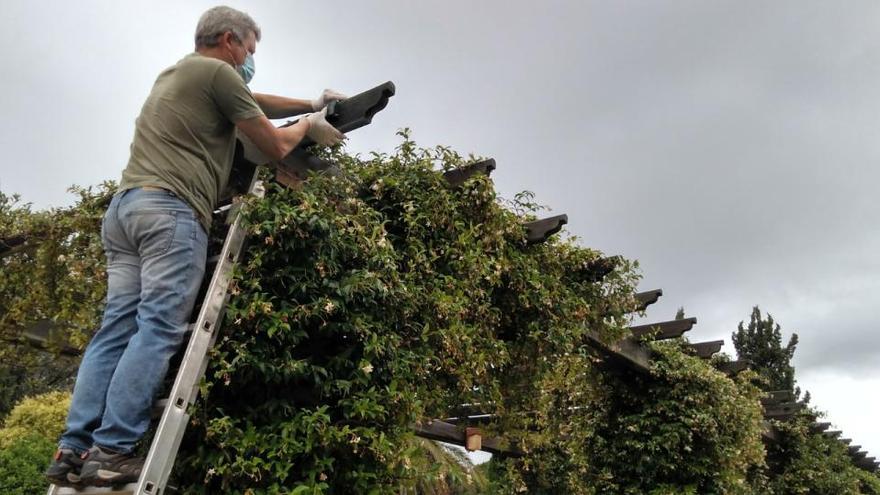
{"points": [[155, 236]]}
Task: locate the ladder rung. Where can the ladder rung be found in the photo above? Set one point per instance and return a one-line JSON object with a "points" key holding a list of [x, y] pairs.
{"points": [[159, 407], [222, 209], [106, 490]]}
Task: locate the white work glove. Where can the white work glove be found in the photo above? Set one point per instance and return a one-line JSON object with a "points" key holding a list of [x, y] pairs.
{"points": [[321, 131], [326, 97]]}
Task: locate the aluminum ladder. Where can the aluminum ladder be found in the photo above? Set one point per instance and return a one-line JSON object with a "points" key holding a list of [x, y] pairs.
{"points": [[203, 333]]}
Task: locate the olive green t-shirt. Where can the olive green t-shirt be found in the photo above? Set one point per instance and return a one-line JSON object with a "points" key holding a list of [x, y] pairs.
{"points": [[184, 138]]}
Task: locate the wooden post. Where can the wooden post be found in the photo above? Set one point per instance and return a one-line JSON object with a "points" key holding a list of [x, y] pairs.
{"points": [[473, 439]]}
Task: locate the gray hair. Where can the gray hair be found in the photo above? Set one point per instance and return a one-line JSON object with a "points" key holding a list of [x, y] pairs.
{"points": [[218, 20]]}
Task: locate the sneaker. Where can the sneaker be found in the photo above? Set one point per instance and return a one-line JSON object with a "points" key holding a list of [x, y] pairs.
{"points": [[65, 468], [104, 467]]}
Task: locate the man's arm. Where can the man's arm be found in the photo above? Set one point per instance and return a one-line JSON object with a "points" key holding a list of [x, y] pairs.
{"points": [[274, 142], [279, 107], [277, 142]]}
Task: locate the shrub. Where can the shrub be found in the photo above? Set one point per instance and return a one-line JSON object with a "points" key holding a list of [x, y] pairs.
{"points": [[22, 463], [42, 415], [27, 441]]}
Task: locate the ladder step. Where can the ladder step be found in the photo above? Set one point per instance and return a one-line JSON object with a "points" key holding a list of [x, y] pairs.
{"points": [[223, 206], [106, 490], [159, 407]]}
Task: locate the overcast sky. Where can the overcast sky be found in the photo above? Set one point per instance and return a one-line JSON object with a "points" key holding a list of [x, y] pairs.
{"points": [[731, 147]]}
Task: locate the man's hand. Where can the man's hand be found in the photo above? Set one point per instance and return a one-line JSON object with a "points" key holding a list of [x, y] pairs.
{"points": [[321, 131], [326, 97]]}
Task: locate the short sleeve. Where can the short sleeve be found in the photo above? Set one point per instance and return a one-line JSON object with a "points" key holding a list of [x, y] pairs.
{"points": [[234, 99]]}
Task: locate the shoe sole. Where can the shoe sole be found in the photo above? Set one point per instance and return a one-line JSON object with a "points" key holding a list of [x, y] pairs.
{"points": [[110, 478], [69, 481]]}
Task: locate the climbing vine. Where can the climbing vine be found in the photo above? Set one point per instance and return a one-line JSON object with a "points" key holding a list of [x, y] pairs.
{"points": [[52, 279], [383, 297]]}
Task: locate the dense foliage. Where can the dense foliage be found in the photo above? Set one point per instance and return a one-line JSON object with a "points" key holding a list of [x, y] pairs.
{"points": [[805, 462], [27, 439], [384, 297], [22, 463], [801, 460], [686, 428], [55, 280]]}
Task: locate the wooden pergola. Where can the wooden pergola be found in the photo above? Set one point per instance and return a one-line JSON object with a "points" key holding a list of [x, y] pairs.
{"points": [[466, 431]]}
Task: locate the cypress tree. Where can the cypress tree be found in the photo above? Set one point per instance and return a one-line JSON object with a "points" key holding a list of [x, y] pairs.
{"points": [[761, 344], [679, 315]]}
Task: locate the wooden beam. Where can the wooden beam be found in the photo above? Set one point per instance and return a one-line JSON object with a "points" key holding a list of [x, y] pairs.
{"points": [[626, 352], [595, 270], [832, 434], [705, 350], [457, 176], [12, 245], [357, 111], [346, 115], [810, 415], [778, 397], [731, 368], [859, 454], [846, 441], [44, 334], [299, 164], [783, 410], [664, 330], [819, 427], [541, 230], [645, 299], [449, 433], [475, 419]]}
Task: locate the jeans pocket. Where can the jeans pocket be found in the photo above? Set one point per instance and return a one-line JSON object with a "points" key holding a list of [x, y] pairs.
{"points": [[105, 241], [153, 231]]}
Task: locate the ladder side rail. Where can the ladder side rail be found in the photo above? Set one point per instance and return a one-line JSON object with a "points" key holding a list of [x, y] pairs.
{"points": [[169, 433]]}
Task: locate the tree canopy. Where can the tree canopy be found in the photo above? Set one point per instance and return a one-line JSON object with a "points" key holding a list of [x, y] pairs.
{"points": [[761, 344]]}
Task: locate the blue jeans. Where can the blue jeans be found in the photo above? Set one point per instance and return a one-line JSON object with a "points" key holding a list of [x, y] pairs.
{"points": [[156, 250]]}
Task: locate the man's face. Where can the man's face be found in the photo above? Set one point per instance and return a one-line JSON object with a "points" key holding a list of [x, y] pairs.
{"points": [[240, 48]]}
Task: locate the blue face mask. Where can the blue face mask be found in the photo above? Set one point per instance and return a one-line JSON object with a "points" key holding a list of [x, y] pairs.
{"points": [[247, 69]]}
